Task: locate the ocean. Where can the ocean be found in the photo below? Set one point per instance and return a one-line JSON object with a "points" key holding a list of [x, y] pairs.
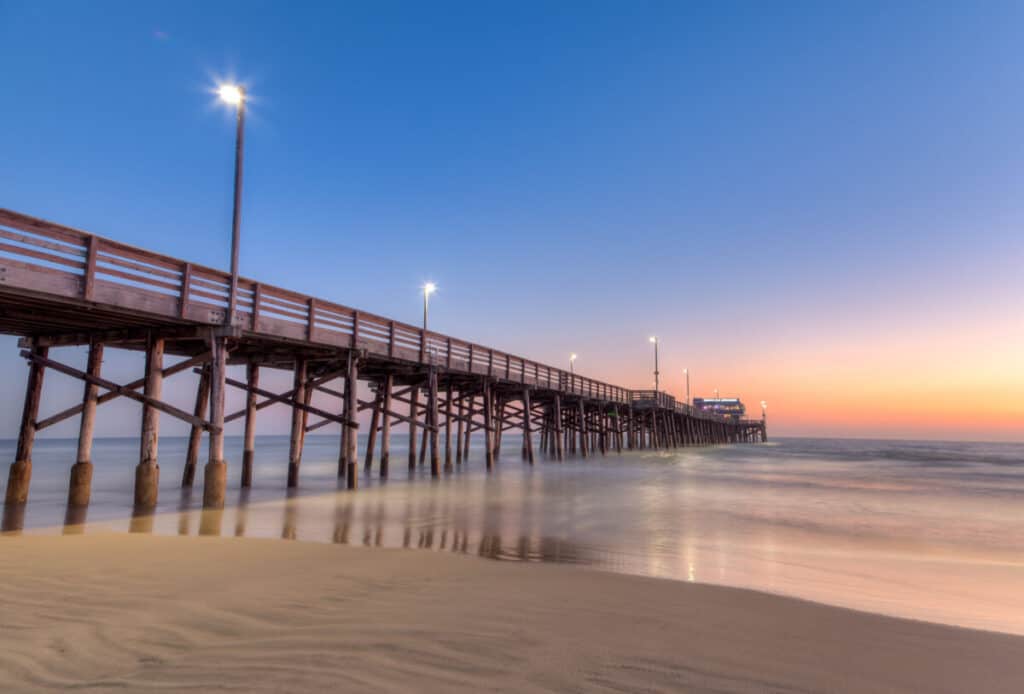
{"points": [[925, 530]]}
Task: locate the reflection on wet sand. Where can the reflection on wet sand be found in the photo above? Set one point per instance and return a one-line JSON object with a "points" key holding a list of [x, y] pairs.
{"points": [[210, 521], [184, 517], [74, 519], [291, 516], [916, 555], [242, 513], [383, 523], [143, 519]]}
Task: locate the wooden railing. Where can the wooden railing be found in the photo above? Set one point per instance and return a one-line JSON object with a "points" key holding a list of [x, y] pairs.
{"points": [[43, 257]]}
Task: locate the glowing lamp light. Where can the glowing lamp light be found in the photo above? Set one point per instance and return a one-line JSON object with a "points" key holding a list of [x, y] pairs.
{"points": [[231, 94], [429, 288], [653, 338]]}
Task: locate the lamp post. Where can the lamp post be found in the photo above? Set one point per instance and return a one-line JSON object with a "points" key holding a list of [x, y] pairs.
{"points": [[234, 95], [764, 411], [716, 394], [686, 372], [572, 358], [654, 340], [428, 289]]}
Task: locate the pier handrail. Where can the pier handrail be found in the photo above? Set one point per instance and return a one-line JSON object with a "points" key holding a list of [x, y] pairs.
{"points": [[49, 258], [42, 256]]}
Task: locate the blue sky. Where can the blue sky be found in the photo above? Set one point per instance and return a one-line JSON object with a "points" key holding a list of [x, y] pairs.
{"points": [[761, 185]]}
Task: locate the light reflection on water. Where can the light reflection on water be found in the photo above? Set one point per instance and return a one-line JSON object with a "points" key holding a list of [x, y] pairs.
{"points": [[925, 530]]}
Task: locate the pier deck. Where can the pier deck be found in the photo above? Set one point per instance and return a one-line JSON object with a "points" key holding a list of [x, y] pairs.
{"points": [[63, 287]]}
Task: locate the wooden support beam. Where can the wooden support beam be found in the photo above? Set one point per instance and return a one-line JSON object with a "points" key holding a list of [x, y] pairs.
{"points": [[307, 398], [330, 391], [287, 397], [147, 472], [371, 436], [114, 387], [298, 407], [435, 453], [413, 415], [469, 427], [345, 416], [134, 385], [527, 426], [460, 430], [557, 426], [448, 424], [385, 442], [215, 474], [427, 428], [252, 377], [352, 423], [618, 430], [21, 469], [488, 427], [467, 414], [583, 430], [195, 436], [80, 487], [111, 338], [318, 425], [501, 426]]}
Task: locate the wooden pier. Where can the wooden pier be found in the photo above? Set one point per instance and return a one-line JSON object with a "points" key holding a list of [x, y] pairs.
{"points": [[62, 287]]}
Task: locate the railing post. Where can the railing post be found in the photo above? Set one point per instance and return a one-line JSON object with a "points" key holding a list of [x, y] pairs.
{"points": [[186, 281], [92, 248], [257, 297]]}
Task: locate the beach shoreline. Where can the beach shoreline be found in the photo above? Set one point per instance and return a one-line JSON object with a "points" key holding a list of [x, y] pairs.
{"points": [[109, 611]]}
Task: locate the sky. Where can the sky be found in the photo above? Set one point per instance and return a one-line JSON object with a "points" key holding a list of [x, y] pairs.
{"points": [[810, 204]]}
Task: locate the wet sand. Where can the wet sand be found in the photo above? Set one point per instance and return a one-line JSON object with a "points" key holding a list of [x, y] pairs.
{"points": [[113, 611]]}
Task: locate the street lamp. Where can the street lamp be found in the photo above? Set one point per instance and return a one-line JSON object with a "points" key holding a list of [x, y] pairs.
{"points": [[764, 410], [716, 394], [428, 289], [654, 340], [234, 95], [686, 372], [572, 358]]}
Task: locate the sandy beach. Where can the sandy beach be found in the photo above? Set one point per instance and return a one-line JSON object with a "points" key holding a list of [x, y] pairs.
{"points": [[111, 611]]}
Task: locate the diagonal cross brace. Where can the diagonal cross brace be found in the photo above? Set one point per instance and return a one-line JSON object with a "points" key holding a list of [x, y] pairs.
{"points": [[134, 385], [310, 383], [286, 398], [121, 390]]}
